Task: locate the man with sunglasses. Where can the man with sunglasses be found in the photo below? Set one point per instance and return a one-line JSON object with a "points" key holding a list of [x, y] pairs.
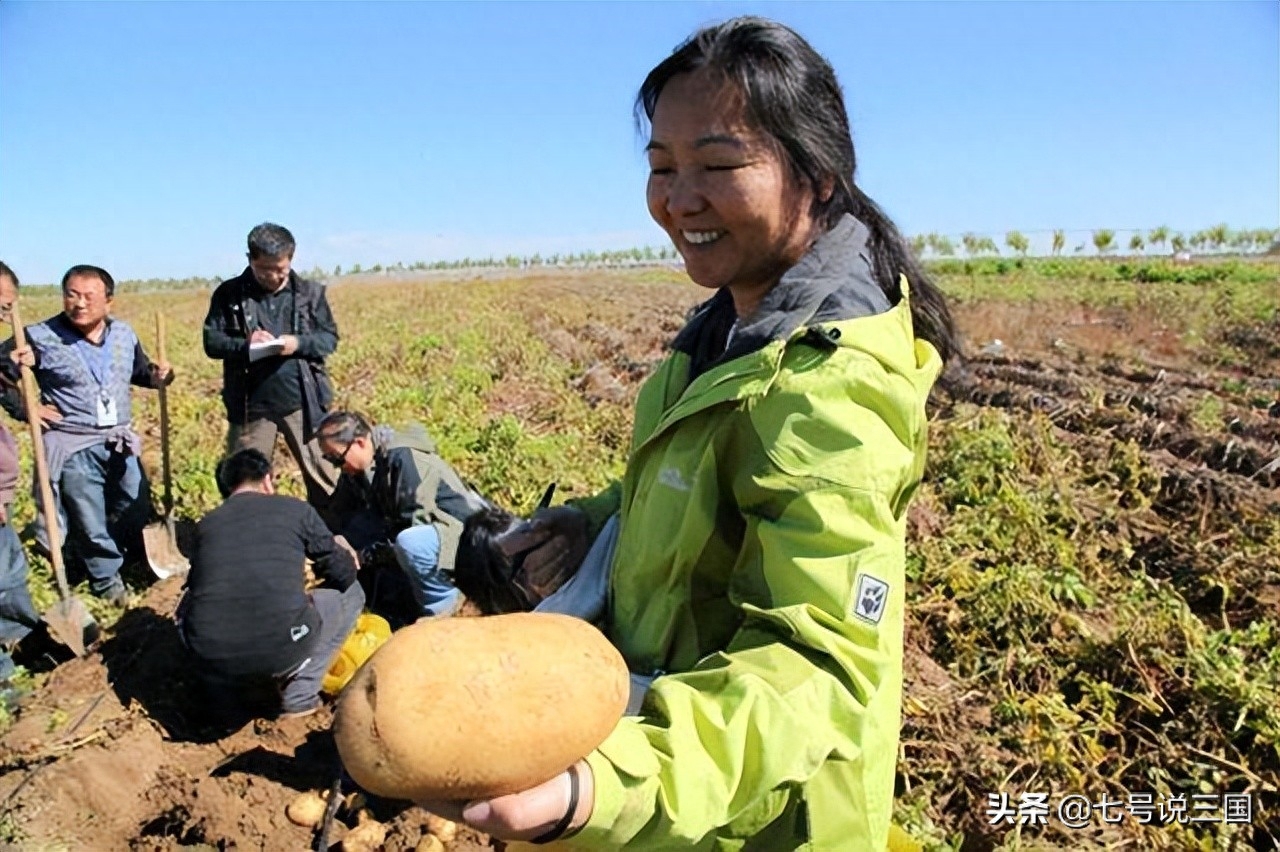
{"points": [[396, 492]]}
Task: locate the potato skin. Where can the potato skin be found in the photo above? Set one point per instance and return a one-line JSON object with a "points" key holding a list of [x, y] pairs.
{"points": [[468, 708]]}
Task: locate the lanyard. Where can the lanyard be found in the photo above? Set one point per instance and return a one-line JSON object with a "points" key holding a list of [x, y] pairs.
{"points": [[97, 359]]}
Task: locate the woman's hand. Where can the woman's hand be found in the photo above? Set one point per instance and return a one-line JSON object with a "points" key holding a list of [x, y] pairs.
{"points": [[531, 814]]}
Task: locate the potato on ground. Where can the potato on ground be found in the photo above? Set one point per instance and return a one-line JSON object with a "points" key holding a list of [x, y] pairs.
{"points": [[465, 708]]}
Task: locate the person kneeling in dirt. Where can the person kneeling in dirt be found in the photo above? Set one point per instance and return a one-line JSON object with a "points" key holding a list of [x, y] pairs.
{"points": [[246, 615], [397, 493]]}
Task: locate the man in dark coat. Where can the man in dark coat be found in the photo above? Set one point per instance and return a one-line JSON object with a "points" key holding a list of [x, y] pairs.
{"points": [[272, 330], [246, 615]]}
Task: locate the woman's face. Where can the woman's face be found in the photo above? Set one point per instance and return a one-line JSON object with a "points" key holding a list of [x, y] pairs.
{"points": [[721, 190]]}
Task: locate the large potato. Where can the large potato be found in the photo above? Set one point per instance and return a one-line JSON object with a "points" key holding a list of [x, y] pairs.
{"points": [[465, 708]]}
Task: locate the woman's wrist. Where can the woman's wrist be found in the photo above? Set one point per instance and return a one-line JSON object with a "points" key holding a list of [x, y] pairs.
{"points": [[581, 800], [586, 798]]}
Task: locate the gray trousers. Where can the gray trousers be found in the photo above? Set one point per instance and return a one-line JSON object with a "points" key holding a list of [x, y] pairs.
{"points": [[318, 475], [299, 687]]}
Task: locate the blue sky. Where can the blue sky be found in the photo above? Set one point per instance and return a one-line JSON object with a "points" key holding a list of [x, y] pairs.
{"points": [[149, 137]]}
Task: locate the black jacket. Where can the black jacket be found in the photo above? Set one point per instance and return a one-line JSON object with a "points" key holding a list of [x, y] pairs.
{"points": [[409, 484], [246, 612], [275, 385]]}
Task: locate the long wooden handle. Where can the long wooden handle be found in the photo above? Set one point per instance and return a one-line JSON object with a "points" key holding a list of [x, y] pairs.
{"points": [[31, 398], [164, 419]]}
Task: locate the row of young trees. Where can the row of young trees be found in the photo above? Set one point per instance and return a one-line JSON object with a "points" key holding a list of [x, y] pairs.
{"points": [[619, 257], [1216, 240]]}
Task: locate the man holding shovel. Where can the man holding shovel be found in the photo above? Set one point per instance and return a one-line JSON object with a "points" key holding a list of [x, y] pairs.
{"points": [[85, 363]]}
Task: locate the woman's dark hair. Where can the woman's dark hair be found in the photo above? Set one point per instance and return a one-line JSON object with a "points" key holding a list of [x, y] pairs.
{"points": [[482, 571], [793, 95], [8, 273]]}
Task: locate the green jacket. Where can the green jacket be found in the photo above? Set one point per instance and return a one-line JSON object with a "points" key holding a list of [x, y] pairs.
{"points": [[759, 570]]}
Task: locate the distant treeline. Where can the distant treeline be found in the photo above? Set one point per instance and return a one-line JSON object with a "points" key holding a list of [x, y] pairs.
{"points": [[1107, 255]]}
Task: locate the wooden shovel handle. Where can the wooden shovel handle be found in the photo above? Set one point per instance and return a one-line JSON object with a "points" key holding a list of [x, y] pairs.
{"points": [[160, 337], [31, 398], [164, 419]]}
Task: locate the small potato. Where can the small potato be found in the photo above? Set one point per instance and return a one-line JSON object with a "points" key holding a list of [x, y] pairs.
{"points": [[429, 843], [469, 708], [368, 836], [307, 810], [445, 829]]}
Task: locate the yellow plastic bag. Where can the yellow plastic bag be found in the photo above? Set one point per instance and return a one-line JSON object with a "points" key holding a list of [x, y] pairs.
{"points": [[900, 841], [367, 636]]}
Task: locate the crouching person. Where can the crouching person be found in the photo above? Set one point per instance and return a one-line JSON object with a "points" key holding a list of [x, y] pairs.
{"points": [[397, 493], [247, 617]]}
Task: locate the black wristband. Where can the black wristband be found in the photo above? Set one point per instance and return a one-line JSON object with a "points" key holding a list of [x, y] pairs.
{"points": [[557, 831]]}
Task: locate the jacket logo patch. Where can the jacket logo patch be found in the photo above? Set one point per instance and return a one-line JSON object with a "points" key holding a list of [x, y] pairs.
{"points": [[673, 478], [871, 598], [298, 632]]}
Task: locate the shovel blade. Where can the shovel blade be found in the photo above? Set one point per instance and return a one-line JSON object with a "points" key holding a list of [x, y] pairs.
{"points": [[71, 624], [163, 556]]}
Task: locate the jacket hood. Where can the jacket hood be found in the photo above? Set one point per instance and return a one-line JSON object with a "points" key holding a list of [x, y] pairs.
{"points": [[413, 436], [833, 281]]}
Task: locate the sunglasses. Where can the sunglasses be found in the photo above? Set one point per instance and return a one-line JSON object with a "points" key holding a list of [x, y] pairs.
{"points": [[338, 459]]}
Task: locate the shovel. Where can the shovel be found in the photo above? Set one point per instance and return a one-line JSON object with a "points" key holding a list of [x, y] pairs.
{"points": [[160, 538], [69, 620]]}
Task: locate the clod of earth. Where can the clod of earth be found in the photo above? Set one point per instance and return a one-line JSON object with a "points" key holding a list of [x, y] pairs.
{"points": [[429, 843], [442, 828]]}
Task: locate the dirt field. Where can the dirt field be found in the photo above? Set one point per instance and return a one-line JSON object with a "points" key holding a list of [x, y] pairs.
{"points": [[108, 755]]}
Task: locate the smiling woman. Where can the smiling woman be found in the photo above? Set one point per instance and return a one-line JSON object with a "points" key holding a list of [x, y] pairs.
{"points": [[757, 573], [722, 191]]}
